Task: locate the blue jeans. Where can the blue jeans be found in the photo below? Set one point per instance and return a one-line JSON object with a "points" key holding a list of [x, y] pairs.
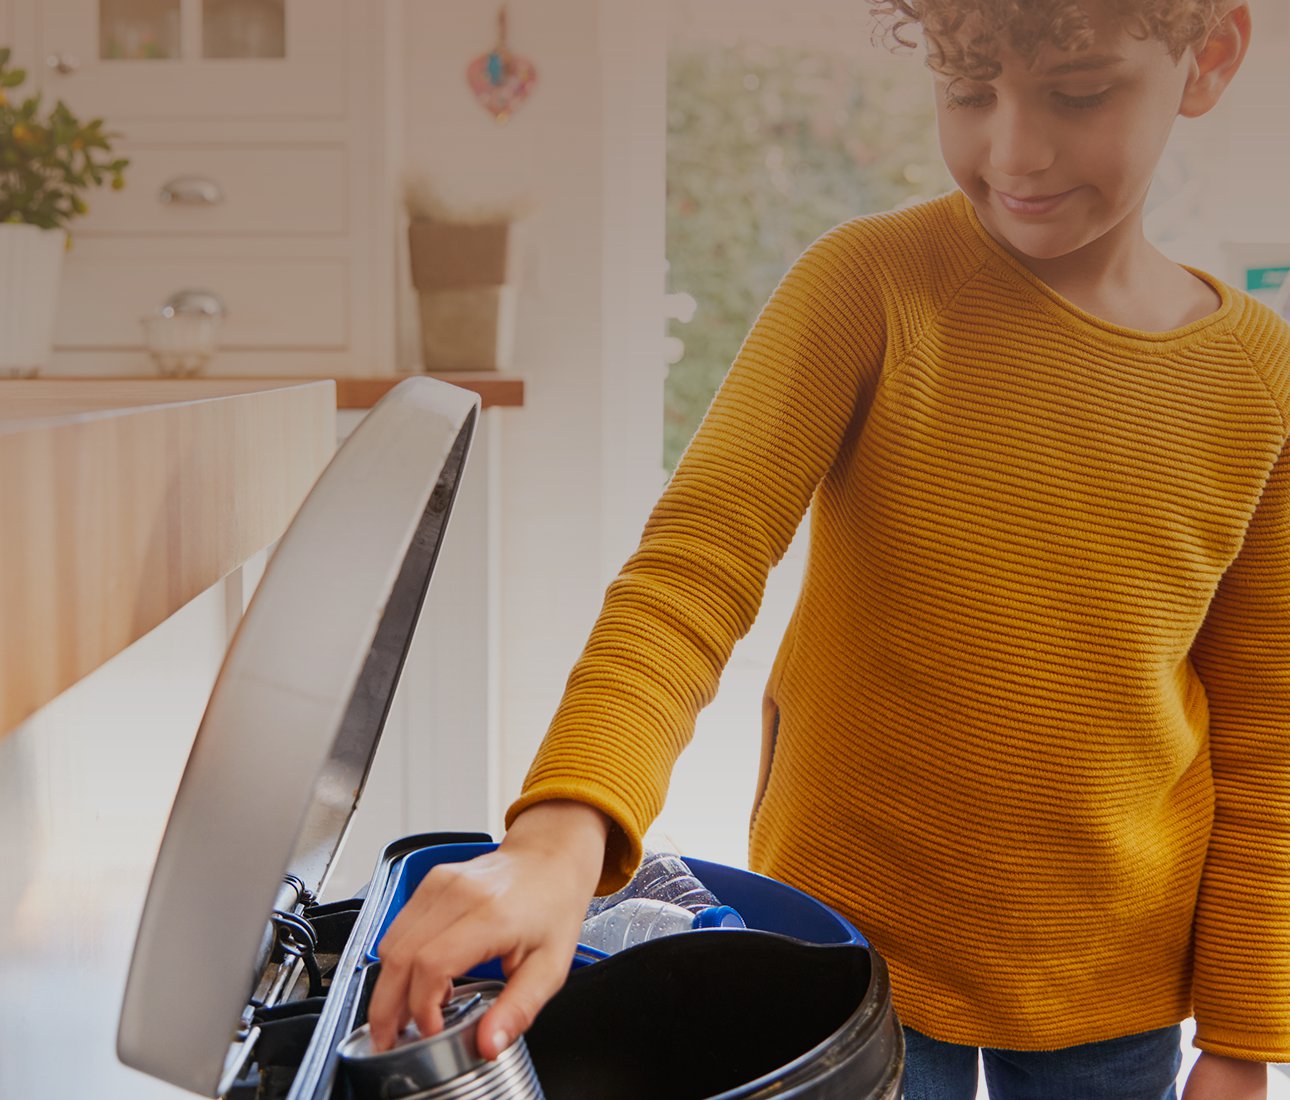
{"points": [[1135, 1067]]}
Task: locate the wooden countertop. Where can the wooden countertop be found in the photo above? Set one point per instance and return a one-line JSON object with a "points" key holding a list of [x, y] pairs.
{"points": [[496, 391], [120, 501]]}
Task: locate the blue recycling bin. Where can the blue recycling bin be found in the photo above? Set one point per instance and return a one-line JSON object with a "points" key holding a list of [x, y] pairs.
{"points": [[796, 1005], [764, 903]]}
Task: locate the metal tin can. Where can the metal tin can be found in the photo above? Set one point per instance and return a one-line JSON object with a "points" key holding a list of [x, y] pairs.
{"points": [[446, 1066]]}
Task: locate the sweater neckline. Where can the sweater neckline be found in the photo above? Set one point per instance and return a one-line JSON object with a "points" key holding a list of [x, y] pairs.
{"points": [[1219, 319]]}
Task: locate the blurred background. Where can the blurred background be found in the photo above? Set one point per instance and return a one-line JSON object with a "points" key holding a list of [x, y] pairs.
{"points": [[636, 179], [631, 180]]}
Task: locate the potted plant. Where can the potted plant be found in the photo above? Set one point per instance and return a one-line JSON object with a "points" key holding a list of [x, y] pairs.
{"points": [[464, 271], [47, 162]]}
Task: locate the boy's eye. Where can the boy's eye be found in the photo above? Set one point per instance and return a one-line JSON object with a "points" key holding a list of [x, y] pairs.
{"points": [[1063, 99], [1081, 102], [967, 99]]}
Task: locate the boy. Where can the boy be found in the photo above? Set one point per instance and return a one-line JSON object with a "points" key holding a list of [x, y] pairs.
{"points": [[1027, 728]]}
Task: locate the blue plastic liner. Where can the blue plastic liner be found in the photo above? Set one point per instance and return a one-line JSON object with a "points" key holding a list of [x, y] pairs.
{"points": [[773, 906], [764, 903]]}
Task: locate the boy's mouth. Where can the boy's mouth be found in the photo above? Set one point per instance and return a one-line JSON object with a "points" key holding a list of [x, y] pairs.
{"points": [[1032, 204]]}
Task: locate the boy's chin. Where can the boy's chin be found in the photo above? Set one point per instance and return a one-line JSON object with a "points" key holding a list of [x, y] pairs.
{"points": [[1037, 243], [1030, 249]]}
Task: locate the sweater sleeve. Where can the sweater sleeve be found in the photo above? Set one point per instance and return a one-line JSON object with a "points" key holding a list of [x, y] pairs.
{"points": [[1241, 983], [693, 586]]}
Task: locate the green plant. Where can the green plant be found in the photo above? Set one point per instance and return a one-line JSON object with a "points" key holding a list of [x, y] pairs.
{"points": [[47, 162]]}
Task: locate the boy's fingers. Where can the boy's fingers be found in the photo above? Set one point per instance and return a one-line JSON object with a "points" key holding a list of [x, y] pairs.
{"points": [[534, 982], [434, 907], [467, 942], [429, 988], [387, 1010], [458, 917], [401, 957], [436, 903]]}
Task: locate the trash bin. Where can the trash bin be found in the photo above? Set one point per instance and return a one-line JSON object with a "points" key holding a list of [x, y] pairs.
{"points": [[242, 985], [795, 1005], [711, 1014], [762, 902]]}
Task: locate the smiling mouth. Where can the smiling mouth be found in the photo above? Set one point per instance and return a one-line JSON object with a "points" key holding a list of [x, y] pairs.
{"points": [[1031, 204]]}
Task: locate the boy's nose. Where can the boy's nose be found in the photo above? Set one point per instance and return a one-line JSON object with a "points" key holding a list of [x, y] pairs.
{"points": [[1019, 143]]}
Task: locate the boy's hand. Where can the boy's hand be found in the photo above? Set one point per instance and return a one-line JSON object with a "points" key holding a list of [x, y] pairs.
{"points": [[524, 902], [1214, 1077]]}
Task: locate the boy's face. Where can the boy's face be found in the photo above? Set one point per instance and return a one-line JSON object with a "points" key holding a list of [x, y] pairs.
{"points": [[1056, 155]]}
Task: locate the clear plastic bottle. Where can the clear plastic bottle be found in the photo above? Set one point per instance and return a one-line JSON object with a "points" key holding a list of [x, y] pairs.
{"points": [[635, 920], [663, 876]]}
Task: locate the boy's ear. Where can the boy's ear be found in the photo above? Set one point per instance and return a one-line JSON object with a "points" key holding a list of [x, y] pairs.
{"points": [[1215, 63]]}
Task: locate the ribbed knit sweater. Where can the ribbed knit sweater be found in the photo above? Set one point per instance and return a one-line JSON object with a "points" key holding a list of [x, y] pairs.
{"points": [[1029, 726]]}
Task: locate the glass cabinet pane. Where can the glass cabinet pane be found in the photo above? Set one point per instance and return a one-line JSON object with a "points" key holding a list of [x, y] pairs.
{"points": [[138, 30], [243, 28]]}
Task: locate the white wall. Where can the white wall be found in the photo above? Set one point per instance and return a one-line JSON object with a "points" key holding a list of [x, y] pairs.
{"points": [[580, 462], [1246, 145]]}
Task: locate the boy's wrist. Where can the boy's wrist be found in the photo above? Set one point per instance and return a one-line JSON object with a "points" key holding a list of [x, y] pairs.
{"points": [[563, 827], [1237, 1065], [1218, 1077]]}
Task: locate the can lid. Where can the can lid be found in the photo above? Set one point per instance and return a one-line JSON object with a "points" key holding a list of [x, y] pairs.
{"points": [[426, 1061], [293, 722]]}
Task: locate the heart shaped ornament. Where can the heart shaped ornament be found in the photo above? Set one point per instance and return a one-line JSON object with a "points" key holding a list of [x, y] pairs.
{"points": [[500, 79]]}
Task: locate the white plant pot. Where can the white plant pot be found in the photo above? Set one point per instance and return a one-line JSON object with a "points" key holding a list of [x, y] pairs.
{"points": [[469, 328], [31, 260]]}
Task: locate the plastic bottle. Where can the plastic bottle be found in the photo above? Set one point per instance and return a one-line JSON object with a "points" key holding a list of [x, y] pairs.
{"points": [[662, 876], [635, 920]]}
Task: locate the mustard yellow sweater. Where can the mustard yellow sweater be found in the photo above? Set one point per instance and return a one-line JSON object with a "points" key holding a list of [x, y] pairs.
{"points": [[1029, 727]]}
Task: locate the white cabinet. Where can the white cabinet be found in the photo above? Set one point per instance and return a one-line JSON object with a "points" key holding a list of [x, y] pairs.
{"points": [[260, 171], [129, 59], [228, 191], [273, 304]]}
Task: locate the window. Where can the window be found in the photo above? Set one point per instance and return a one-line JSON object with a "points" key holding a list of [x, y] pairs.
{"points": [[783, 121]]}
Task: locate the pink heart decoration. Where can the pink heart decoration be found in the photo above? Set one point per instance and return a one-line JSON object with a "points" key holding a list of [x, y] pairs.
{"points": [[501, 81]]}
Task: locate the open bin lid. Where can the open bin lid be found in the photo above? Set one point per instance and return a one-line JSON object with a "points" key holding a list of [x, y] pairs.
{"points": [[291, 727]]}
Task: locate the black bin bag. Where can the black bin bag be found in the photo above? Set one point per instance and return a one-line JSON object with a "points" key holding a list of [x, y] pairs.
{"points": [[722, 1014]]}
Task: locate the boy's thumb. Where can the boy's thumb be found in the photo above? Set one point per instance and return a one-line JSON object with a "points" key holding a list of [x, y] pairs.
{"points": [[527, 990]]}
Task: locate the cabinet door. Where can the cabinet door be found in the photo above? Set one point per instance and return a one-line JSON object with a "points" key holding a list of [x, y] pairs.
{"points": [[148, 59]]}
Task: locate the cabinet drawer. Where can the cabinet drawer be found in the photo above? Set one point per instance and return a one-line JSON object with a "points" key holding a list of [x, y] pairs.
{"points": [[260, 190], [271, 303]]}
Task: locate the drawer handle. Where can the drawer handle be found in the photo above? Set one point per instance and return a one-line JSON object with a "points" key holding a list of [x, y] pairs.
{"points": [[63, 63], [194, 301], [192, 191]]}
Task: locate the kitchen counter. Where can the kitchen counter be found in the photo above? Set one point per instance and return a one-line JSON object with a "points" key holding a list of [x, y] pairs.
{"points": [[121, 501], [496, 390]]}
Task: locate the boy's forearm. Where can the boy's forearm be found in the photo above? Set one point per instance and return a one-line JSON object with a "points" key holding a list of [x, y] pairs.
{"points": [[573, 829]]}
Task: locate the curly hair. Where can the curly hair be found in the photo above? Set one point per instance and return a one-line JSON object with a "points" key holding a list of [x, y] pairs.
{"points": [[1027, 26]]}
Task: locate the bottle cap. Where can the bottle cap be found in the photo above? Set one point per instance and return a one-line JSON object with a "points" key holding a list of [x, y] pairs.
{"points": [[718, 916]]}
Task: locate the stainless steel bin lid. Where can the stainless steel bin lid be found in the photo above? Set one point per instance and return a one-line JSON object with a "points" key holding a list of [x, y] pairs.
{"points": [[291, 727]]}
